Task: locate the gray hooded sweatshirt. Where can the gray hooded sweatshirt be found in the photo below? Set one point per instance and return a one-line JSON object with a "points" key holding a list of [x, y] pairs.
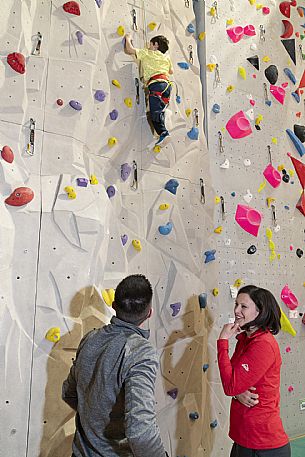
{"points": [[111, 387]]}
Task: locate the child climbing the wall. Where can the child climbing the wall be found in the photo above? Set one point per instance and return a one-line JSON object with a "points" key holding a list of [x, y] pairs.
{"points": [[112, 381], [155, 66]]}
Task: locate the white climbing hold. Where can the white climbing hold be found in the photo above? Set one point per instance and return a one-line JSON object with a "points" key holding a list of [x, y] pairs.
{"points": [[225, 164], [248, 197], [247, 162], [253, 47]]}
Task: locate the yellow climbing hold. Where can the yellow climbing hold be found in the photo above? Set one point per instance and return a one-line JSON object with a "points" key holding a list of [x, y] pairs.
{"points": [[120, 30], [268, 233], [230, 88], [285, 324], [266, 59], [271, 245], [281, 167], [213, 11], [201, 36], [217, 200], [157, 149], [70, 191], [238, 283], [230, 21], [215, 291], [128, 102], [211, 66], [164, 206], [272, 255], [270, 200], [152, 26], [137, 245], [252, 2], [291, 172], [108, 296], [261, 187], [259, 6], [188, 112], [93, 180], [274, 140], [116, 83], [218, 229], [112, 141], [53, 334], [242, 72]]}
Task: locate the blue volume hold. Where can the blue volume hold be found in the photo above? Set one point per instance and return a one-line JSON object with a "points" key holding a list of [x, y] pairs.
{"points": [[296, 96], [203, 300], [193, 134], [165, 229], [172, 185], [297, 143], [290, 75], [184, 65], [210, 255]]}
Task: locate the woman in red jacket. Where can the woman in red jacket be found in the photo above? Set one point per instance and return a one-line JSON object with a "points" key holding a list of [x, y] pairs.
{"points": [[252, 376]]}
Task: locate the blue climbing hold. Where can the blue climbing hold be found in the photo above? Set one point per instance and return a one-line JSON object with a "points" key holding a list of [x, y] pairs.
{"points": [[114, 114], [209, 255], [82, 182], [100, 95], [203, 298], [205, 367], [99, 3], [268, 102], [165, 229], [178, 99], [193, 134], [176, 307], [79, 36], [290, 75], [75, 105], [296, 96], [216, 108], [194, 416], [124, 239], [125, 171], [214, 424], [297, 143], [183, 65], [173, 393], [191, 28], [233, 194], [172, 186], [110, 191]]}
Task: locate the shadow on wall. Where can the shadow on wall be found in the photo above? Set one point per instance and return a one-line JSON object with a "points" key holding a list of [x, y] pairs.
{"points": [[182, 363], [86, 309]]}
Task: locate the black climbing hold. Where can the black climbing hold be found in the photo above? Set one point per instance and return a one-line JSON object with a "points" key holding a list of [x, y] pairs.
{"points": [[286, 178], [254, 60], [299, 253], [257, 127], [251, 249], [289, 45], [272, 74], [284, 171], [299, 131], [194, 416]]}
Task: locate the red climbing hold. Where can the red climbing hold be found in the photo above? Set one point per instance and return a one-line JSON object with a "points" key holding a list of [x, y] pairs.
{"points": [[299, 168], [7, 154], [72, 8], [285, 8], [21, 196], [301, 204], [17, 62], [288, 29]]}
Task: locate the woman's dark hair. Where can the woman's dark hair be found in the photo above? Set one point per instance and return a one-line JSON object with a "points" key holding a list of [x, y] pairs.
{"points": [[269, 311], [133, 298], [162, 42]]}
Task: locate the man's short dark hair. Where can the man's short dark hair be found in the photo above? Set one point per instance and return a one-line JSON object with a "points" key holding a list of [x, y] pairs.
{"points": [[269, 311], [162, 42], [133, 298]]}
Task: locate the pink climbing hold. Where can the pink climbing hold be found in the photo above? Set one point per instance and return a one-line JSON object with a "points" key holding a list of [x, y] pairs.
{"points": [[21, 196], [273, 177], [288, 349], [266, 10], [249, 219], [72, 8], [7, 154], [285, 8], [236, 33], [278, 93], [290, 389], [289, 298], [249, 30], [16, 61], [291, 247], [238, 126]]}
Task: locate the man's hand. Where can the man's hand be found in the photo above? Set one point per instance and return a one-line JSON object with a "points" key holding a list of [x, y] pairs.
{"points": [[229, 330], [128, 47], [248, 398]]}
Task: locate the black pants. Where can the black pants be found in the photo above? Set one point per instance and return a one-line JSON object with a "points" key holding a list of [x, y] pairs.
{"points": [[239, 451], [157, 105]]}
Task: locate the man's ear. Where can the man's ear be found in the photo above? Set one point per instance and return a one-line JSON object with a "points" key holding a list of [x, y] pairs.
{"points": [[114, 305], [150, 313]]}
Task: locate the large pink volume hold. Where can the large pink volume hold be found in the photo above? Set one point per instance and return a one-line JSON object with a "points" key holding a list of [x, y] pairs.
{"points": [[238, 126], [248, 218]]}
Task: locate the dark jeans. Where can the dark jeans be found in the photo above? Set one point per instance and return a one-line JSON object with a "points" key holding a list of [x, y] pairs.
{"points": [[239, 451], [157, 106]]}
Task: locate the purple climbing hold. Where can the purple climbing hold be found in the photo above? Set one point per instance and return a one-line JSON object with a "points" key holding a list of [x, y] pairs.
{"points": [[114, 114], [125, 171], [82, 182], [176, 307], [79, 36], [100, 95], [99, 3], [110, 191], [124, 239], [173, 393], [75, 105]]}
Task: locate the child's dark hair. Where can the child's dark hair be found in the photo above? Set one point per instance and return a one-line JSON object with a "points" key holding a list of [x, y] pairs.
{"points": [[133, 298], [269, 311], [162, 42]]}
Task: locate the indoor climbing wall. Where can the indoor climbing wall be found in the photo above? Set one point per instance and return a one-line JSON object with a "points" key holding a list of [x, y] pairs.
{"points": [[255, 78], [88, 199]]}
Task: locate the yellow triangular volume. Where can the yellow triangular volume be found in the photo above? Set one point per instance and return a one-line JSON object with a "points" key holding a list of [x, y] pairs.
{"points": [[285, 324]]}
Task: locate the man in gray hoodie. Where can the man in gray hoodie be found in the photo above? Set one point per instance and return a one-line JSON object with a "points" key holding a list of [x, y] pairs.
{"points": [[111, 383]]}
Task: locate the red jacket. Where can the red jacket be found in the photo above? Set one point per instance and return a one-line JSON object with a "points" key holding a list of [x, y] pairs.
{"points": [[256, 362]]}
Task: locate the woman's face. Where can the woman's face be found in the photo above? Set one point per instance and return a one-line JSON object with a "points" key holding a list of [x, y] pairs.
{"points": [[245, 310]]}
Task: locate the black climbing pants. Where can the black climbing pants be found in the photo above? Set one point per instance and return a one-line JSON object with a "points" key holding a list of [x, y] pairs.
{"points": [[157, 105], [239, 451]]}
